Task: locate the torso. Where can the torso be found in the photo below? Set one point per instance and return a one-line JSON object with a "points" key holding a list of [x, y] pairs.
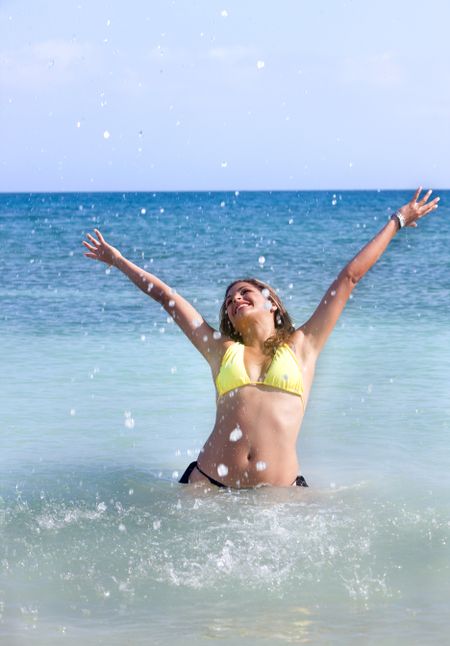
{"points": [[263, 423]]}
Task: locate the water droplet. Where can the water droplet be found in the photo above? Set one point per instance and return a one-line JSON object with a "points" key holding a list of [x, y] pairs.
{"points": [[78, 124], [175, 475], [224, 13], [291, 221], [173, 370], [161, 210], [261, 260], [333, 292], [222, 470], [73, 411], [156, 524], [106, 135], [143, 337], [222, 204], [128, 421], [260, 64], [122, 528], [224, 164], [261, 466], [235, 434], [143, 211], [130, 492], [216, 335]]}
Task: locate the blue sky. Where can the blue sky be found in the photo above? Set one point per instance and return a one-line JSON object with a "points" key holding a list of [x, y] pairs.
{"points": [[207, 95]]}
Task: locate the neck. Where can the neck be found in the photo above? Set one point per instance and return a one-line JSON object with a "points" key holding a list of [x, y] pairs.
{"points": [[257, 334]]}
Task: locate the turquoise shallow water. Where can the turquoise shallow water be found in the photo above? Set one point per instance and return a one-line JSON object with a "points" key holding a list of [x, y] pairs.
{"points": [[103, 402]]}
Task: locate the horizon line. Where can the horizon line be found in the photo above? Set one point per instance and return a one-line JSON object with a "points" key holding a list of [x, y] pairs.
{"points": [[234, 191]]}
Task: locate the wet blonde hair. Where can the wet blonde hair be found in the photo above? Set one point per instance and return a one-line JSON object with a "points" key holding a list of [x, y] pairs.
{"points": [[284, 326]]}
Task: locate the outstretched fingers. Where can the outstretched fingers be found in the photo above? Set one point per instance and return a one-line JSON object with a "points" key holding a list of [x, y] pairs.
{"points": [[431, 205], [93, 240], [426, 197], [99, 249], [88, 246], [99, 236], [422, 207], [418, 207], [416, 194]]}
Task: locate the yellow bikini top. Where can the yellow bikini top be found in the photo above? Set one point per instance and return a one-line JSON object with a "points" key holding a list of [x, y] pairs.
{"points": [[284, 371]]}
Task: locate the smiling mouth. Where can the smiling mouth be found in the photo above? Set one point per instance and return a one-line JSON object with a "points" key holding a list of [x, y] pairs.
{"points": [[240, 306]]}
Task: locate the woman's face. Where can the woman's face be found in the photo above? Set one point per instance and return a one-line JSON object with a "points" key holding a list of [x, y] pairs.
{"points": [[245, 300]]}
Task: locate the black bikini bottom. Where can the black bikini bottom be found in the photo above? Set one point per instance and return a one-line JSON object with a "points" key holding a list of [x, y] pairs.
{"points": [[299, 480]]}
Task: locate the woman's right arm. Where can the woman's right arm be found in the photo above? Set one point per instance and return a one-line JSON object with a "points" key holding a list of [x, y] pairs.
{"points": [[198, 331]]}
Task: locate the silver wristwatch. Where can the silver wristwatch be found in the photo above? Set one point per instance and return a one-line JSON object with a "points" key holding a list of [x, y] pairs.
{"points": [[400, 219]]}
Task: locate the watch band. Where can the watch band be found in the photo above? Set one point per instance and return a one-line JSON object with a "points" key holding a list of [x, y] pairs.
{"points": [[400, 219]]}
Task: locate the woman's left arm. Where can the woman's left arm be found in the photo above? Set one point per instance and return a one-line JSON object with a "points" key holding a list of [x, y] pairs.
{"points": [[317, 329]]}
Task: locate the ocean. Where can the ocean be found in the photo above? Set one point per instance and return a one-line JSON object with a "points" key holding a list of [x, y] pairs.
{"points": [[103, 403]]}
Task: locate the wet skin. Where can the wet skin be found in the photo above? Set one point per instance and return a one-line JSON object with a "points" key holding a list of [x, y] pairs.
{"points": [[269, 419]]}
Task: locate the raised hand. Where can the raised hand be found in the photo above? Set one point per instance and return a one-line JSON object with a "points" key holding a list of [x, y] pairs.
{"points": [[99, 249], [416, 209]]}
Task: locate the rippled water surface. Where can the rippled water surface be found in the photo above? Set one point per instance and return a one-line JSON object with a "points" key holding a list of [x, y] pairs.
{"points": [[103, 404]]}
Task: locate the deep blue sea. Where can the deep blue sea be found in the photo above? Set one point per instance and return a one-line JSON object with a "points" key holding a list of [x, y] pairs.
{"points": [[103, 403]]}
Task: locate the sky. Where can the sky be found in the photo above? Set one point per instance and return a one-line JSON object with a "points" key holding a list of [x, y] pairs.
{"points": [[155, 95]]}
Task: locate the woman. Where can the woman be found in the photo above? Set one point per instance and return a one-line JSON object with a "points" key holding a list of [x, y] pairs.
{"points": [[263, 367]]}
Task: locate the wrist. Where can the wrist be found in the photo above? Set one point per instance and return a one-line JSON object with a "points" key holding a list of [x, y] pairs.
{"points": [[398, 220], [117, 257]]}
